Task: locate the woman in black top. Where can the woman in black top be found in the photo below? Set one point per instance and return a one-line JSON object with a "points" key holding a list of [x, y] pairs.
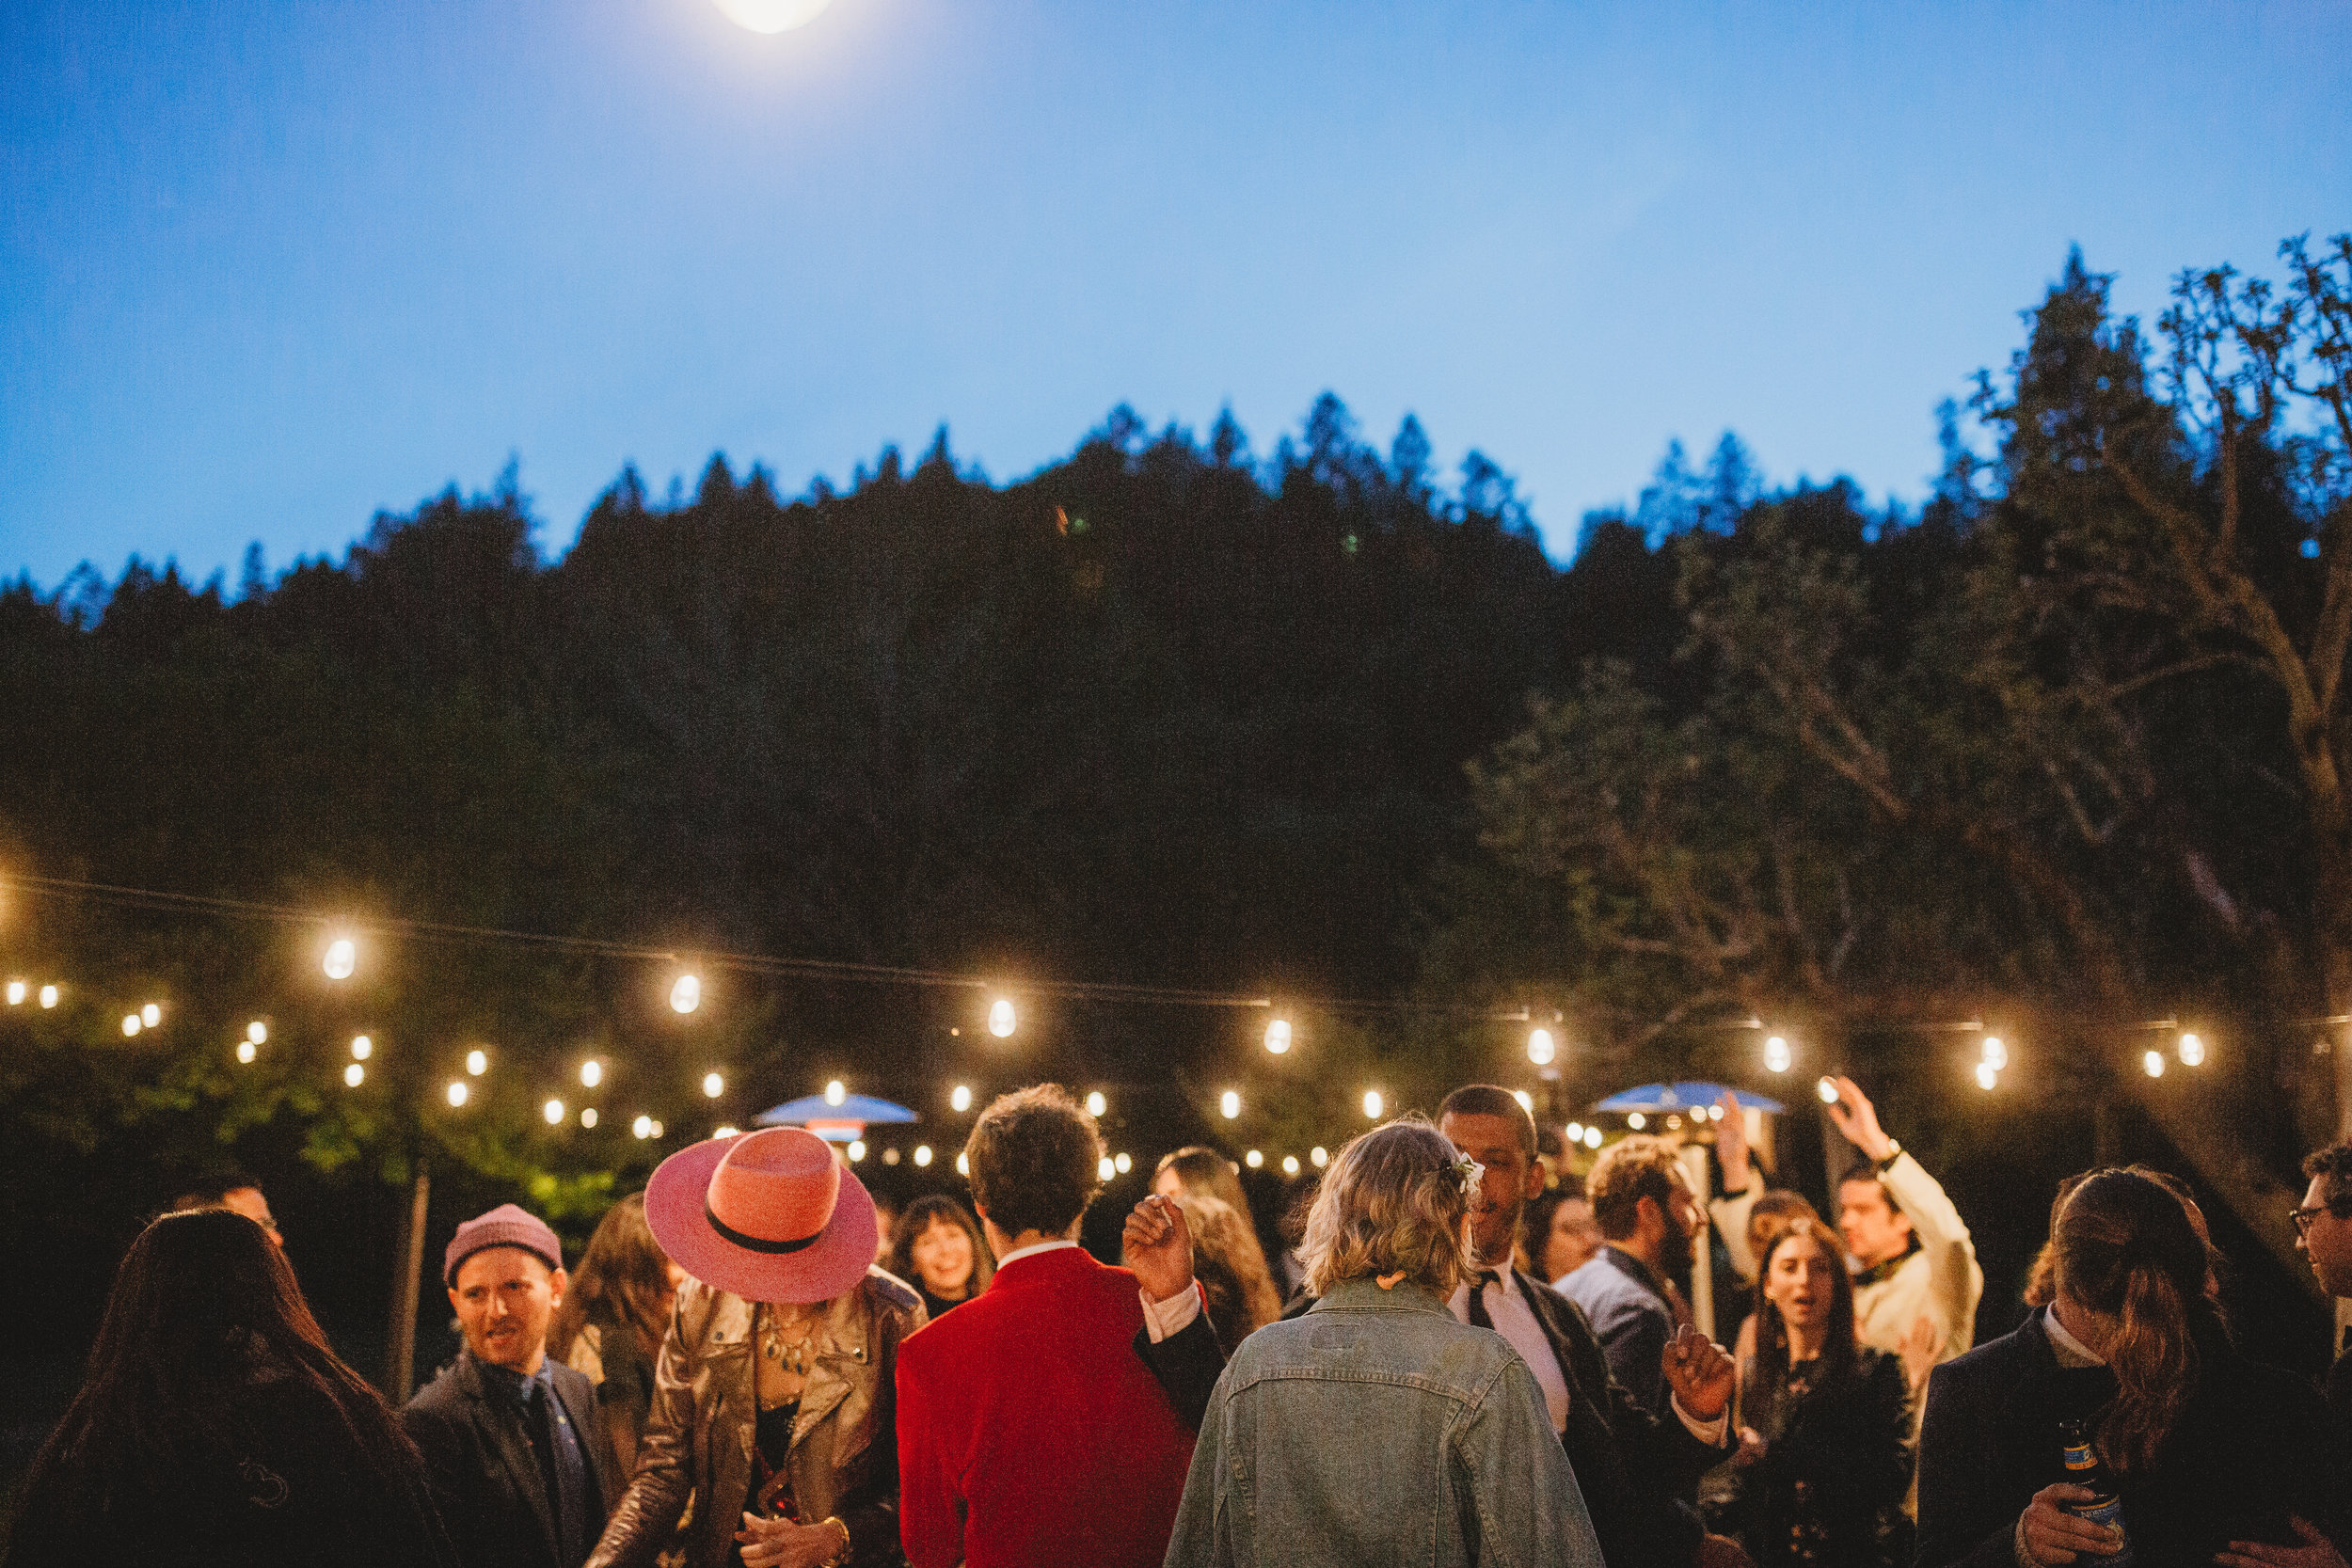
{"points": [[2205, 1448], [215, 1427], [937, 1248], [1825, 1424]]}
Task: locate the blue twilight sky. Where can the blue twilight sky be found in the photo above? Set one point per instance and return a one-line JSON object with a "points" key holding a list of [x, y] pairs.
{"points": [[268, 266]]}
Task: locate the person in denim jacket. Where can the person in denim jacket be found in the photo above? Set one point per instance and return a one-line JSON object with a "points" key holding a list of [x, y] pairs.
{"points": [[1376, 1429]]}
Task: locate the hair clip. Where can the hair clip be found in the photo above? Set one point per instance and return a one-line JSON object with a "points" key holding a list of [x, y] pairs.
{"points": [[1466, 1173]]}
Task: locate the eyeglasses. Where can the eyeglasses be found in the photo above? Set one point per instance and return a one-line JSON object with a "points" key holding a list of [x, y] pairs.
{"points": [[2301, 1218]]}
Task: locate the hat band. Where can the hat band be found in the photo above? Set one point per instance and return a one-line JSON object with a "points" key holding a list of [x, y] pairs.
{"points": [[757, 1244]]}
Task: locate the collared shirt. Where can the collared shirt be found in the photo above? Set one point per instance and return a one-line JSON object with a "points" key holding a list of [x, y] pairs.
{"points": [[563, 1467], [1161, 1319], [1515, 1320], [2069, 1351], [1613, 1256]]}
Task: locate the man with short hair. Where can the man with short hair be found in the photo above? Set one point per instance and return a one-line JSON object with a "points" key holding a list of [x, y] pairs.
{"points": [[505, 1428], [1917, 1293], [1633, 1468], [1647, 1218], [2323, 1230], [234, 1191], [1031, 1430]]}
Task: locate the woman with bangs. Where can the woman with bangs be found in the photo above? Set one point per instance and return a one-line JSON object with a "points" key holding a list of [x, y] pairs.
{"points": [[2216, 1458], [1374, 1428]]}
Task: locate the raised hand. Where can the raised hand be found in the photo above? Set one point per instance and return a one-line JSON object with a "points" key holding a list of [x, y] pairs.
{"points": [[1701, 1373], [1158, 1248], [1859, 1120], [1731, 1144]]}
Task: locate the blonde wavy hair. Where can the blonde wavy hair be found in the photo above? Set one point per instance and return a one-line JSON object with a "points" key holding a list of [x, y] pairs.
{"points": [[1392, 1203]]}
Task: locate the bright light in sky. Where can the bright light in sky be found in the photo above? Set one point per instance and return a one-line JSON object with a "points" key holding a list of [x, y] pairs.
{"points": [[773, 16]]}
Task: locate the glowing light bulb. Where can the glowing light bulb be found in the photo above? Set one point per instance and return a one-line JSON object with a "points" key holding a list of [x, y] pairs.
{"points": [[257, 1032], [48, 996], [1229, 1103], [641, 1127], [355, 1075], [1105, 1168], [857, 1150], [714, 1084], [1096, 1105], [1000, 1017], [686, 993], [963, 1166], [1592, 1137], [2153, 1064], [1987, 1075], [1527, 1102], [1827, 1089], [1575, 1131], [1278, 1036], [16, 993], [1637, 1121], [1290, 1165], [836, 1093], [1540, 1048], [726, 1130], [1714, 1113], [361, 1048], [2193, 1051], [553, 1111], [591, 1074], [922, 1154], [130, 1025], [1123, 1164], [1373, 1103], [1777, 1054], [1254, 1159], [245, 1051], [151, 1015], [657, 1129], [458, 1092], [343, 957], [962, 1099], [1996, 1051], [477, 1063], [1320, 1156], [587, 1116], [890, 1156]]}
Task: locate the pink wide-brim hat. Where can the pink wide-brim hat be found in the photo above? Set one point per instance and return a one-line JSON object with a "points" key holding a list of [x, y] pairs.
{"points": [[768, 1216]]}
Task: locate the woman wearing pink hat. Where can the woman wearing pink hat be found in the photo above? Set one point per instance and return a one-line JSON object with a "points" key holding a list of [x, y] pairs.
{"points": [[775, 1398]]}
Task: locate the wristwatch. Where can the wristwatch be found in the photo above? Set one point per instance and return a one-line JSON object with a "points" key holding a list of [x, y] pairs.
{"points": [[1894, 1153]]}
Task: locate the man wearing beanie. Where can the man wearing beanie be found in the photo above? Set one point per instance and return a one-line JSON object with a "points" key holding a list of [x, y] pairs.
{"points": [[505, 1430]]}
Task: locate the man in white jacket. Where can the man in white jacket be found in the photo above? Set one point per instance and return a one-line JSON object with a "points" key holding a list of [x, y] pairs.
{"points": [[1919, 1284]]}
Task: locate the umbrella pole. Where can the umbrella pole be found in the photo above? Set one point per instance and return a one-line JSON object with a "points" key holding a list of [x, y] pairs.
{"points": [[1703, 1253]]}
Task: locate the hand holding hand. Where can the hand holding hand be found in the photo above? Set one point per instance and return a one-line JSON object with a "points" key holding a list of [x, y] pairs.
{"points": [[2317, 1551], [1731, 1144], [1701, 1373], [1859, 1120], [1158, 1248], [782, 1544], [2054, 1537]]}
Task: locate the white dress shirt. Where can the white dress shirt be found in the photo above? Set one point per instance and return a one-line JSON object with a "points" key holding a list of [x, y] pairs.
{"points": [[1515, 1320], [1161, 1319]]}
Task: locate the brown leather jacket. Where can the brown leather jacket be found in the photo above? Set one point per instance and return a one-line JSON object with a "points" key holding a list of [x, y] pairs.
{"points": [[699, 1437]]}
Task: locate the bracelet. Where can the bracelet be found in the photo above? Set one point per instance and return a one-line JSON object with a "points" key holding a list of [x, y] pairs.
{"points": [[841, 1556], [1894, 1153]]}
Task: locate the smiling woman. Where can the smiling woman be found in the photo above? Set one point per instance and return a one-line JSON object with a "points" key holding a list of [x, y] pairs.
{"points": [[773, 16]]}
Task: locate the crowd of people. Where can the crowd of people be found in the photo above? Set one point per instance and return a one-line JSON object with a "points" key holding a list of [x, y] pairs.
{"points": [[1461, 1355]]}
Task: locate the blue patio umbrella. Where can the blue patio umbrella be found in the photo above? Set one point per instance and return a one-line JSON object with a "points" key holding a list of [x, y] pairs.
{"points": [[1684, 1095], [840, 1123]]}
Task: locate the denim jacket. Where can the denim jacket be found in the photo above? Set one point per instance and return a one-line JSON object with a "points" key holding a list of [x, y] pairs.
{"points": [[1377, 1430]]}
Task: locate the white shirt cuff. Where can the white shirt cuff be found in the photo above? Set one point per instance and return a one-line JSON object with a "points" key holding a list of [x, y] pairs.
{"points": [[1711, 1432], [1164, 1319]]}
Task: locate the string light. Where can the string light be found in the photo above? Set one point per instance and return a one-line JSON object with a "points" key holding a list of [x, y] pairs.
{"points": [[361, 1048], [343, 957], [890, 1156], [1777, 1056], [1123, 1163], [355, 1075], [1096, 1105], [963, 1166], [1714, 1113], [1527, 1102], [1105, 1168], [16, 993], [656, 1127], [129, 1026], [1290, 1165], [1995, 1053], [457, 1092], [2193, 1051], [714, 1085], [2153, 1064], [1000, 1021], [726, 1130], [1592, 1137], [477, 1063], [1540, 1048], [1637, 1121], [257, 1032], [1278, 1036], [1320, 1156], [962, 1099], [245, 1051], [686, 995], [836, 1092], [151, 1015], [553, 1111], [922, 1154], [1230, 1102], [1827, 1088], [643, 1127], [1373, 1104], [587, 1116], [857, 1150], [1575, 1131], [1987, 1075], [48, 996], [1253, 1159], [591, 1074]]}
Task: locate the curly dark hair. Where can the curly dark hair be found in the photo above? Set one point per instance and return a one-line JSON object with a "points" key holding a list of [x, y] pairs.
{"points": [[1034, 1156], [2333, 1166], [920, 1215], [1627, 1172]]}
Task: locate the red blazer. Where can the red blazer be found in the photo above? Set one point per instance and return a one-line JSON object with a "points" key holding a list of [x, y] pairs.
{"points": [[1029, 1432]]}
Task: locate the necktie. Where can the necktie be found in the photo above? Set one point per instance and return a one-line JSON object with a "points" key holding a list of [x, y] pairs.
{"points": [[1479, 1282]]}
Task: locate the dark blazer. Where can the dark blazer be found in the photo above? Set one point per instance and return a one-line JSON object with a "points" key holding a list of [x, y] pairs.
{"points": [[1634, 1468], [1186, 1365], [2255, 1445], [486, 1479]]}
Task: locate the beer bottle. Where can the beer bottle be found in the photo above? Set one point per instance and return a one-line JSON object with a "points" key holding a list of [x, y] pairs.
{"points": [[2106, 1507]]}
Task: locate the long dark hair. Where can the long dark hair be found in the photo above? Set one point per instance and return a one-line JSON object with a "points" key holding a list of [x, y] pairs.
{"points": [[2125, 1244], [621, 1282], [917, 1218], [1771, 1333], [203, 1311]]}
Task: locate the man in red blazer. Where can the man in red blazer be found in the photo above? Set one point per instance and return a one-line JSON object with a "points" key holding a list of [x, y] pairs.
{"points": [[1030, 1430]]}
